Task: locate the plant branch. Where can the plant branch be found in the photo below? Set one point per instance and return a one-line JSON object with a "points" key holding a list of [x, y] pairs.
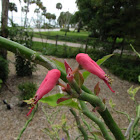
{"points": [[93, 100], [80, 127], [101, 125], [27, 122], [123, 113], [136, 120]]}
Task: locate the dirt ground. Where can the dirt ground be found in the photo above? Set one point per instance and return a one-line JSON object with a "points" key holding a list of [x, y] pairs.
{"points": [[12, 121]]}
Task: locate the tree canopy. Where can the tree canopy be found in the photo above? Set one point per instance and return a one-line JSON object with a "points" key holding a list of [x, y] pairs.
{"points": [[106, 18]]}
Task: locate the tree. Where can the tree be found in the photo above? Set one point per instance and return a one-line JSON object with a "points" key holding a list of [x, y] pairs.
{"points": [[4, 20], [64, 19], [12, 7], [111, 19], [76, 19], [59, 6]]}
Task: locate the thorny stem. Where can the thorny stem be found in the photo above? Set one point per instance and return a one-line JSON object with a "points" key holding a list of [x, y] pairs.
{"points": [[80, 127]]}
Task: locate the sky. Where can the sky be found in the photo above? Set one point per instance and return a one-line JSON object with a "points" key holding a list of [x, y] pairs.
{"points": [[67, 5]]}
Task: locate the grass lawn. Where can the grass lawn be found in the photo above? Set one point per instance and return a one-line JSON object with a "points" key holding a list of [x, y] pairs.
{"points": [[59, 51], [69, 34], [70, 37], [81, 38]]}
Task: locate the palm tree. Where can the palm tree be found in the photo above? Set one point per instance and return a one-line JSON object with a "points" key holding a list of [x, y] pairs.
{"points": [[59, 6]]}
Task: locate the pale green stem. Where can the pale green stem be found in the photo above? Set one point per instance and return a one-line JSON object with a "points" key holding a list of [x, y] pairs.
{"points": [[80, 127], [136, 120], [123, 113], [101, 125], [27, 122]]}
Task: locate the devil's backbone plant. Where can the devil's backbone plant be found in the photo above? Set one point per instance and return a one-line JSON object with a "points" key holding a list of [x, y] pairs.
{"points": [[75, 92]]}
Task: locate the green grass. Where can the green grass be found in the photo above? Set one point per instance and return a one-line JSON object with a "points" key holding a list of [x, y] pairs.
{"points": [[59, 51], [69, 34], [70, 37]]}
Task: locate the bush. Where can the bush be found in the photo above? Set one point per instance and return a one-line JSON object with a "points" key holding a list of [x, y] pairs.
{"points": [[0, 83], [3, 69], [125, 68], [24, 67], [27, 90], [18, 34], [64, 30]]}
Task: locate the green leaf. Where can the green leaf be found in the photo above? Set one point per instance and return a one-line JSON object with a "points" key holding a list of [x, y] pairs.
{"points": [[98, 133], [135, 50], [111, 103], [70, 103], [86, 74], [139, 78], [102, 60], [52, 99], [59, 64], [79, 78], [132, 92]]}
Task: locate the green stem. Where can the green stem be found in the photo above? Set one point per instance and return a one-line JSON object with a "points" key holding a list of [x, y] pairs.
{"points": [[101, 125], [66, 131], [80, 127], [135, 122], [105, 114], [27, 122], [137, 136], [93, 100], [123, 113], [109, 121]]}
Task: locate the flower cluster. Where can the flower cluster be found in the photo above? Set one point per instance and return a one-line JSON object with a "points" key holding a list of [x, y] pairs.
{"points": [[53, 76]]}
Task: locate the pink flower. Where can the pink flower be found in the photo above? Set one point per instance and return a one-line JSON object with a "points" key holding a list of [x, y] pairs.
{"points": [[46, 86], [88, 64]]}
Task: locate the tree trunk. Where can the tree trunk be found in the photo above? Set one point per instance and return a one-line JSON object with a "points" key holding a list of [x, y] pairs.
{"points": [[122, 43], [4, 23], [113, 45]]}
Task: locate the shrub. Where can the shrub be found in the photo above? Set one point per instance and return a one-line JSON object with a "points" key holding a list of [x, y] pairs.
{"points": [[0, 83], [3, 69], [27, 90], [24, 67], [125, 68], [18, 34], [64, 30]]}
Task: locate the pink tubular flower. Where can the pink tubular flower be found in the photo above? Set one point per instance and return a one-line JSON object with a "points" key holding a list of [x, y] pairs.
{"points": [[46, 86], [88, 64]]}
